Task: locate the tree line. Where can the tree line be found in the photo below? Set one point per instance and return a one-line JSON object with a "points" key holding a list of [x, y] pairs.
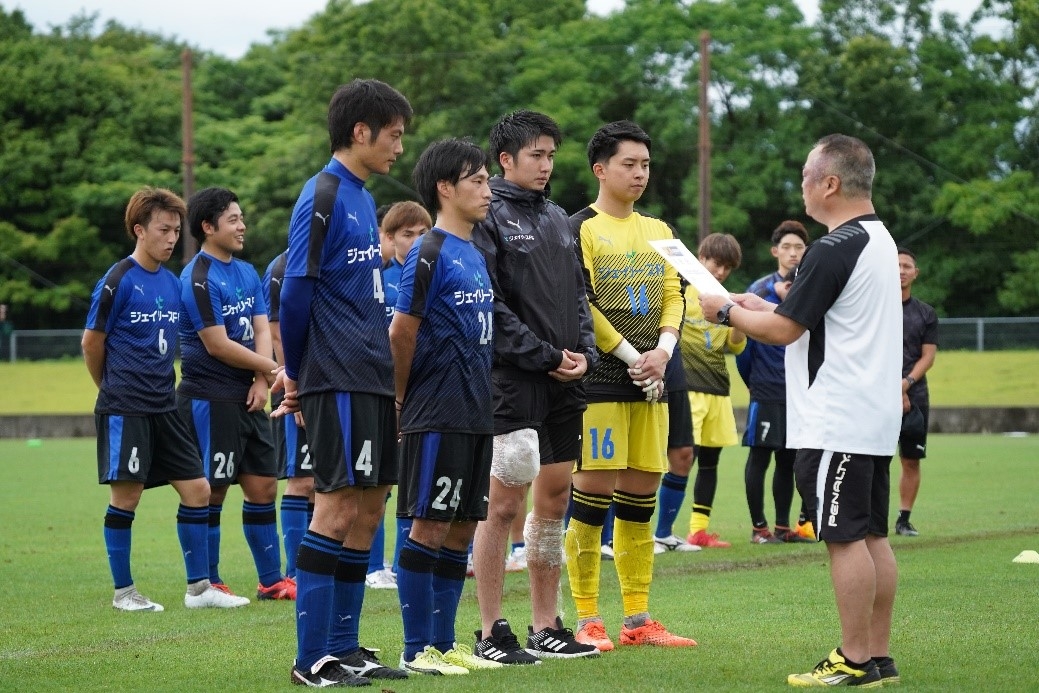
{"points": [[88, 114]]}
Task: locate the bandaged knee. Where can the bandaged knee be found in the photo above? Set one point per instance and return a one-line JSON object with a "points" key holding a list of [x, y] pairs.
{"points": [[517, 457], [544, 539]]}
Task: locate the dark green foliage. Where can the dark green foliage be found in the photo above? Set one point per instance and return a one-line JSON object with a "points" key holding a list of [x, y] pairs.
{"points": [[89, 114]]}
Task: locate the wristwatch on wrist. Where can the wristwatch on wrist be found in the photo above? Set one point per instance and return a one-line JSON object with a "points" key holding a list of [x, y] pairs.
{"points": [[723, 313], [911, 380]]}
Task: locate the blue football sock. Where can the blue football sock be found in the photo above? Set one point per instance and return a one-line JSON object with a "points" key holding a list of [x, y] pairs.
{"points": [[672, 495], [294, 525], [315, 569], [607, 527], [347, 599], [260, 524], [193, 531], [378, 552], [403, 530], [448, 581], [415, 591], [117, 542]]}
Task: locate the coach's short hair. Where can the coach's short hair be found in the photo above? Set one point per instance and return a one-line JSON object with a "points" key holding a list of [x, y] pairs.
{"points": [[607, 140], [146, 201], [368, 101], [450, 160], [851, 160], [515, 131]]}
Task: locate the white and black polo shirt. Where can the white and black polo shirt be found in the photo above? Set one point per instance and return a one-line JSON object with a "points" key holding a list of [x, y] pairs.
{"points": [[843, 374]]}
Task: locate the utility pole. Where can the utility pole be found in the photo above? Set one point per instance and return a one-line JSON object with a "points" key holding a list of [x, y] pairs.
{"points": [[705, 136], [188, 245]]}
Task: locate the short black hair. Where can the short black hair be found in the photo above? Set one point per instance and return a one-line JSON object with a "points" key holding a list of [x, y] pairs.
{"points": [[368, 101], [789, 227], [515, 131], [902, 250], [607, 140], [450, 160], [207, 205]]}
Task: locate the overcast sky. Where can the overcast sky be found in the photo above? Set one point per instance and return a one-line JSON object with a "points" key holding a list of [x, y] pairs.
{"points": [[228, 27]]}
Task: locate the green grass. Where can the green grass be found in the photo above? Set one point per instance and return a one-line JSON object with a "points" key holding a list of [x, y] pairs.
{"points": [[959, 378], [965, 617]]}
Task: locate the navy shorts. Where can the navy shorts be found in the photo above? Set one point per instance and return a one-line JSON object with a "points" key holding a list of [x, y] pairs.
{"points": [[766, 425], [847, 494], [152, 450], [352, 438], [290, 442], [445, 476], [555, 411], [679, 420], [231, 439]]}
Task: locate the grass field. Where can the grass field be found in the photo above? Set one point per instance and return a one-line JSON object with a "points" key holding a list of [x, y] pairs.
{"points": [[965, 618], [959, 378]]}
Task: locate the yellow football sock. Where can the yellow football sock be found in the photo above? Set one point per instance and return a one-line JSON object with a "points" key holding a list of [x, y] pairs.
{"points": [[700, 518], [633, 549], [582, 542]]}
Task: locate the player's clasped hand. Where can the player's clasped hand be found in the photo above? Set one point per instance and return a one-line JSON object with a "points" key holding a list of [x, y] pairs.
{"points": [[648, 373], [290, 400]]}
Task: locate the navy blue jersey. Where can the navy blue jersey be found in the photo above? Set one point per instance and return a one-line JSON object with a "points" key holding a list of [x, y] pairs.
{"points": [[762, 366], [217, 293], [271, 284], [445, 282], [391, 284], [334, 333], [138, 311]]}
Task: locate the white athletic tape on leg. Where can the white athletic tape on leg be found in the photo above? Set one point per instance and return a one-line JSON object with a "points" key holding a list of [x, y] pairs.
{"points": [[544, 539], [517, 457]]}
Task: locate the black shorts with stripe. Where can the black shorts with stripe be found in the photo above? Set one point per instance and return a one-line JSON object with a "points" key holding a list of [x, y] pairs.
{"points": [[766, 425], [231, 440], [290, 442], [445, 476], [152, 450], [352, 437], [554, 410], [847, 494]]}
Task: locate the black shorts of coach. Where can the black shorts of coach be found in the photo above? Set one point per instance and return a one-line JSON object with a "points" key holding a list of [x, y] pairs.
{"points": [[554, 410], [850, 493]]}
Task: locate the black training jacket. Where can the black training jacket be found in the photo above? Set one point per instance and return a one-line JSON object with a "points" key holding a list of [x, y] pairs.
{"points": [[540, 296]]}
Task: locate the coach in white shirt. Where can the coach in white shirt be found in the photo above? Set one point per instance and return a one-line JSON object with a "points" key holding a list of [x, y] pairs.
{"points": [[842, 322]]}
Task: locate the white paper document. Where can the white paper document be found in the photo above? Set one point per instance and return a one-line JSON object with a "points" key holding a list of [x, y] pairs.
{"points": [[680, 257]]}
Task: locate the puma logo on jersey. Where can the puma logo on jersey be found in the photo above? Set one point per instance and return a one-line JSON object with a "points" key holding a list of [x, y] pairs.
{"points": [[139, 288], [323, 218], [427, 263], [605, 240], [201, 286], [458, 262], [352, 216], [510, 222], [110, 289]]}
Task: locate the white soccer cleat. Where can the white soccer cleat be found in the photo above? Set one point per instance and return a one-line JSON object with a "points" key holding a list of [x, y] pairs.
{"points": [[212, 598], [381, 580], [673, 543], [517, 560], [129, 599]]}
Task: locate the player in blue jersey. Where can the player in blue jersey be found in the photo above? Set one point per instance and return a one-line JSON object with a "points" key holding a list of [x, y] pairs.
{"points": [[225, 370], [441, 339], [333, 332], [761, 367], [401, 225], [128, 345], [290, 439]]}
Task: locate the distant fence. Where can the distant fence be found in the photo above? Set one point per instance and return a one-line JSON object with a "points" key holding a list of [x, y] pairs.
{"points": [[972, 334]]}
